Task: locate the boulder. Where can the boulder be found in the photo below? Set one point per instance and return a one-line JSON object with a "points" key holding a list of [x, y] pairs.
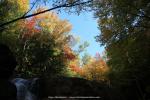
{"points": [[72, 87]]}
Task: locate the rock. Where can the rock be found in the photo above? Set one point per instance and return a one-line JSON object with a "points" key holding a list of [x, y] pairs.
{"points": [[7, 65], [65, 87], [72, 87], [7, 90], [7, 62]]}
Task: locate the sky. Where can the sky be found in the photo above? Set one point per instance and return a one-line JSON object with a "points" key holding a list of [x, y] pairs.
{"points": [[85, 26]]}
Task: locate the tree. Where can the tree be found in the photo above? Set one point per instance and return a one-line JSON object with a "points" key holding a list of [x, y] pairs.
{"points": [[82, 47], [124, 28], [77, 4], [86, 59], [8, 11], [89, 68], [42, 45], [30, 37], [95, 69]]}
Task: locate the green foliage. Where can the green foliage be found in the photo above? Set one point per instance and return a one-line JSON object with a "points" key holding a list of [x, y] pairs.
{"points": [[9, 10], [41, 46], [82, 47], [37, 42], [38, 57], [124, 26]]}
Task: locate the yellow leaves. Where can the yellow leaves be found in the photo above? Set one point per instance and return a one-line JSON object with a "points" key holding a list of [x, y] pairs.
{"points": [[53, 22], [23, 5], [49, 23], [56, 27], [95, 70]]}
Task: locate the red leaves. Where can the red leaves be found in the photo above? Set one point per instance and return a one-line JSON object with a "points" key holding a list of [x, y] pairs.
{"points": [[70, 56], [69, 53], [30, 24], [29, 28], [75, 68], [94, 70]]}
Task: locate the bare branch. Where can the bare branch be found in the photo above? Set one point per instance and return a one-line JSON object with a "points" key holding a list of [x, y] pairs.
{"points": [[30, 8]]}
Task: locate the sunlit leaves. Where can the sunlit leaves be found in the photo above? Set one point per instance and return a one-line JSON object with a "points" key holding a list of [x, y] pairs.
{"points": [[69, 54], [9, 10], [92, 69], [96, 70], [23, 5], [44, 44], [58, 28]]}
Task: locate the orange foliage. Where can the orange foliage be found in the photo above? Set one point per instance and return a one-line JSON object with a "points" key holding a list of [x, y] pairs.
{"points": [[48, 22], [29, 28], [75, 68], [94, 70], [69, 53]]}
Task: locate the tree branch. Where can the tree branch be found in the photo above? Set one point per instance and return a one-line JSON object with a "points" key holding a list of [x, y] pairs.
{"points": [[30, 8], [44, 11]]}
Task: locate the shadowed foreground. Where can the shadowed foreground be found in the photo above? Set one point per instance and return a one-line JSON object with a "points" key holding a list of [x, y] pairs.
{"points": [[44, 89]]}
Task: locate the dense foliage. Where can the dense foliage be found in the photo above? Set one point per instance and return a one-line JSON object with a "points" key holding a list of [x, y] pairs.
{"points": [[43, 46], [91, 68], [8, 11], [124, 26], [39, 42]]}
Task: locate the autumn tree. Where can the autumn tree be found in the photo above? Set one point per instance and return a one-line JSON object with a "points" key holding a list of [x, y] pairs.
{"points": [[69, 5], [30, 35], [95, 69], [42, 45], [86, 59], [91, 68]]}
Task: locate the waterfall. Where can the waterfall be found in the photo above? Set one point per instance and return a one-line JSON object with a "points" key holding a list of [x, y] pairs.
{"points": [[24, 88]]}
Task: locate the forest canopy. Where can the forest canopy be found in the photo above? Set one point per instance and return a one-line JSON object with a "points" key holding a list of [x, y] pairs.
{"points": [[41, 42]]}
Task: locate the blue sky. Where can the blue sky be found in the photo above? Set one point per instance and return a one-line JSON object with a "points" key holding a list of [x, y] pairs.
{"points": [[85, 26]]}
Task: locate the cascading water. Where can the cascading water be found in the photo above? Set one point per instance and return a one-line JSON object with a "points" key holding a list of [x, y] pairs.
{"points": [[24, 88]]}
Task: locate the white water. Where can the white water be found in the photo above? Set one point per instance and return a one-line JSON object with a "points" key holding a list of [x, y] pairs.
{"points": [[23, 88]]}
